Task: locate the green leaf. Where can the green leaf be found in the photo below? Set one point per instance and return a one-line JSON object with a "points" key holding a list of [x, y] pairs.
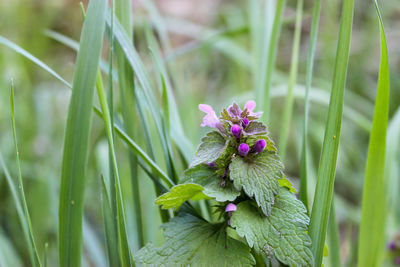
{"points": [[258, 176], [191, 241], [374, 201], [76, 143], [211, 147], [282, 234], [179, 194], [211, 181]]}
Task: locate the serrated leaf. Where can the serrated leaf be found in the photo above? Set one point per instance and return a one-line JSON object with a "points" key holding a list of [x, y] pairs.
{"points": [[211, 181], [282, 234], [179, 194], [258, 176], [211, 147], [191, 241], [255, 127]]}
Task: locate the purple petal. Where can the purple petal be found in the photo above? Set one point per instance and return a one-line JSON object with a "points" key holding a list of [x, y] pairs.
{"points": [[250, 106], [230, 207], [210, 119]]}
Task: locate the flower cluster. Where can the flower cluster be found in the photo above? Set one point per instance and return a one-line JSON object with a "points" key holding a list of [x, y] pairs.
{"points": [[235, 121]]}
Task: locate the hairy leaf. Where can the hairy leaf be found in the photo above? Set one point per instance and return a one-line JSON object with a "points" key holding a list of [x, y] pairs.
{"points": [[191, 241], [282, 234], [258, 176], [255, 127], [179, 194], [211, 181], [211, 147]]}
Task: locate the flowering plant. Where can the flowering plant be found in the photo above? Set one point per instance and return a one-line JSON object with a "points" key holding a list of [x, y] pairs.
{"points": [[237, 165]]}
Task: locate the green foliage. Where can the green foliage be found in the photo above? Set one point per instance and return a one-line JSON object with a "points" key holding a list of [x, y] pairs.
{"points": [[190, 241], [282, 234], [211, 147], [258, 176], [211, 181], [179, 194]]}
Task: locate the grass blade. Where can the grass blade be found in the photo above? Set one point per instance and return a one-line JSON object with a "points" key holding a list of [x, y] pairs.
{"points": [[77, 136], [263, 88], [374, 201], [309, 72], [31, 243], [119, 213], [23, 52], [287, 114], [327, 167], [111, 235], [333, 238]]}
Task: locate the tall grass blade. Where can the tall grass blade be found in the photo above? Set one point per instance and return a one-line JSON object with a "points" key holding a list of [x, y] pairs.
{"points": [[23, 52], [327, 166], [287, 113], [126, 89], [263, 88], [109, 228], [309, 72], [374, 201], [119, 213], [31, 243], [77, 136]]}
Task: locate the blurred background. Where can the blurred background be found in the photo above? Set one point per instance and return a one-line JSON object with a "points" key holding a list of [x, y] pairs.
{"points": [[209, 49]]}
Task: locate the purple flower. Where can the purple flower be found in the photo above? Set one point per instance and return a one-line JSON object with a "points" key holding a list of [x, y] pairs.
{"points": [[250, 106], [245, 122], [230, 207], [243, 149], [397, 261], [210, 119], [260, 145], [236, 130]]}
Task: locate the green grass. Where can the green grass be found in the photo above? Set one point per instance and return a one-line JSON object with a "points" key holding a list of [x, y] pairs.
{"points": [[73, 171], [374, 201], [328, 160]]}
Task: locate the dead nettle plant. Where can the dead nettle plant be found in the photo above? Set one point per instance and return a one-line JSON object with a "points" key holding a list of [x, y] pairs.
{"points": [[238, 166]]}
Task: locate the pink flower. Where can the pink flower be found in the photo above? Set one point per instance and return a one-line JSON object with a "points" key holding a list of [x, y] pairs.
{"points": [[210, 119], [250, 106]]}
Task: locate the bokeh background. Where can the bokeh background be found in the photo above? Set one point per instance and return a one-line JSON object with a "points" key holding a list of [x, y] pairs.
{"points": [[209, 49]]}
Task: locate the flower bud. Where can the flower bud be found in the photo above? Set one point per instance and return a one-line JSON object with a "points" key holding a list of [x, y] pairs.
{"points": [[245, 122], [243, 149], [235, 130], [260, 145]]}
